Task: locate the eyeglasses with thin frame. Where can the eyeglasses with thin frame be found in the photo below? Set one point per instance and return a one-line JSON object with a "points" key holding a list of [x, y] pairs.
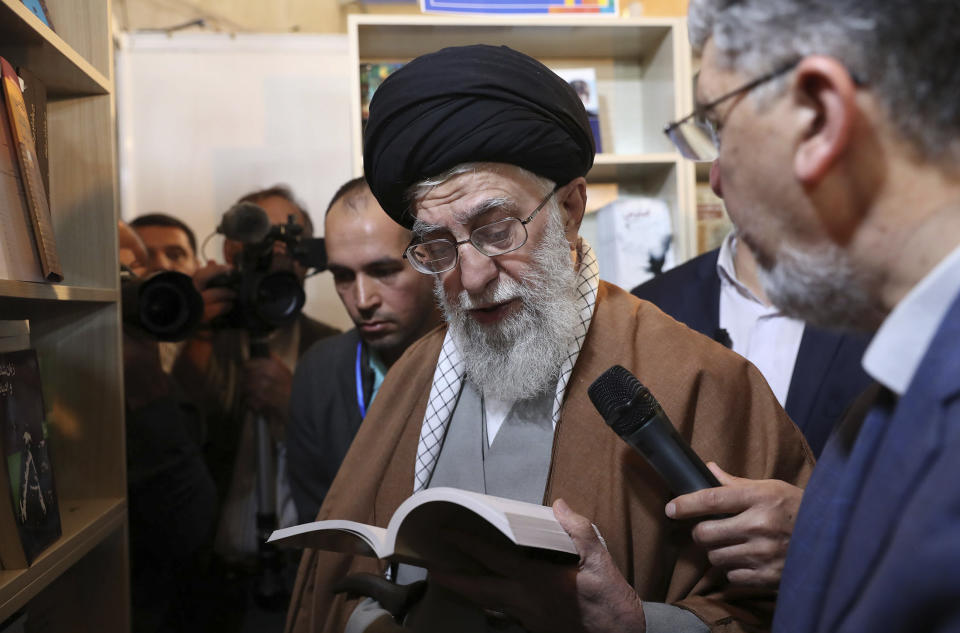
{"points": [[496, 238], [695, 136]]}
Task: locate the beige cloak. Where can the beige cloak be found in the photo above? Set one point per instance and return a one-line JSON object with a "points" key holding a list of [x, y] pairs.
{"points": [[716, 399]]}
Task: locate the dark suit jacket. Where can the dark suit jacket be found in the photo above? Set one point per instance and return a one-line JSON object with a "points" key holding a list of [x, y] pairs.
{"points": [[324, 417], [877, 545], [827, 376]]}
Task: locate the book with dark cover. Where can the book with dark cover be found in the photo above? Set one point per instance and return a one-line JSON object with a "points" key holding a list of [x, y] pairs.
{"points": [[33, 511], [30, 174], [35, 99]]}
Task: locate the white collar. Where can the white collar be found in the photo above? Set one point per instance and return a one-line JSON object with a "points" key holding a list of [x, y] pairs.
{"points": [[727, 271], [902, 340]]}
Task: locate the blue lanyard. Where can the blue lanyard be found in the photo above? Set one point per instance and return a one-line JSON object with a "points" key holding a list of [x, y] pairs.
{"points": [[359, 377]]}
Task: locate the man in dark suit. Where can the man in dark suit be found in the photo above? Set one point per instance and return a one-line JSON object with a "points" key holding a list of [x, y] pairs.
{"points": [[815, 373], [835, 144]]}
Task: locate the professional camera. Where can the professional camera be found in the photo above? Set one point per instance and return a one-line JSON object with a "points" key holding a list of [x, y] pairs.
{"points": [[165, 304], [266, 298]]}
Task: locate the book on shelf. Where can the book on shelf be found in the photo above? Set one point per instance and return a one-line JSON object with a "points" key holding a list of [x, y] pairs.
{"points": [[634, 240], [35, 100], [39, 9], [371, 76], [19, 258], [28, 168], [30, 522], [422, 530], [584, 83]]}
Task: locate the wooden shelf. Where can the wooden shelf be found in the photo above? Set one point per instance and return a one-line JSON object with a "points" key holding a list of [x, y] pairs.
{"points": [[55, 292], [626, 167], [86, 523], [384, 38], [27, 41]]}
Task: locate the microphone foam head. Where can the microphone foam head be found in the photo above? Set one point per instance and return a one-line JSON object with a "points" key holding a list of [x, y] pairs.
{"points": [[245, 222], [615, 389]]}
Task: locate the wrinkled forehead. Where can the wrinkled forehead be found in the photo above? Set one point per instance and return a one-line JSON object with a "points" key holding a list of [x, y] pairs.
{"points": [[462, 199]]}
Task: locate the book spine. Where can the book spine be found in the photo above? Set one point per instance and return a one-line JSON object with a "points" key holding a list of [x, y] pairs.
{"points": [[35, 100], [30, 173]]}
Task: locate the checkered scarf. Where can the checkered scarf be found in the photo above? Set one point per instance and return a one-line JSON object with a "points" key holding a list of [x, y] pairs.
{"points": [[450, 372]]}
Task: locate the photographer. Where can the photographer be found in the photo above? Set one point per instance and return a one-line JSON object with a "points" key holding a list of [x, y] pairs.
{"points": [[172, 499], [233, 389], [171, 245]]}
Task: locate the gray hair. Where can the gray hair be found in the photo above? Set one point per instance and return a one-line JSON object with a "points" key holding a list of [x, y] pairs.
{"points": [[420, 189], [905, 51]]}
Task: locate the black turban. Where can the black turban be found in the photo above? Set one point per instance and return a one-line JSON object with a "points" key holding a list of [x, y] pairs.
{"points": [[472, 104]]}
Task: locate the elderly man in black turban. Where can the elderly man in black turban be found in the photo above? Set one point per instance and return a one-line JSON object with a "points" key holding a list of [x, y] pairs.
{"points": [[483, 151]]}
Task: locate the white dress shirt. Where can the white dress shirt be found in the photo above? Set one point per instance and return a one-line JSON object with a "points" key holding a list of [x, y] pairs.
{"points": [[760, 333], [902, 340]]}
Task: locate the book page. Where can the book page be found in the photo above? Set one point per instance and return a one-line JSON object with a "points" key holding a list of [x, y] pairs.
{"points": [[347, 537], [437, 527]]}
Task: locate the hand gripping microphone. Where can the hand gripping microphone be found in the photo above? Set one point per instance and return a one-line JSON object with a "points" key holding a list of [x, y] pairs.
{"points": [[636, 416]]}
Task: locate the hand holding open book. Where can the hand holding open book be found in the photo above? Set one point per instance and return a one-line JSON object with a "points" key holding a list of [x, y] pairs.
{"points": [[420, 531]]}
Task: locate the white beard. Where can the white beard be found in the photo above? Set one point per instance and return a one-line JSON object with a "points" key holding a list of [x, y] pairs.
{"points": [[520, 357], [821, 286]]}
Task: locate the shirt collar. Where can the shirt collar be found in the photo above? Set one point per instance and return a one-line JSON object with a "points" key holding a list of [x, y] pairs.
{"points": [[901, 342], [728, 273]]}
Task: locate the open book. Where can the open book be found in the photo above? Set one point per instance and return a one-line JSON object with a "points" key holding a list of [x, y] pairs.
{"points": [[436, 527]]}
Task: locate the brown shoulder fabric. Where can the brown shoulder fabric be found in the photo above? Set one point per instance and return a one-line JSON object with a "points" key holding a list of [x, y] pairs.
{"points": [[717, 400], [375, 477], [720, 403]]}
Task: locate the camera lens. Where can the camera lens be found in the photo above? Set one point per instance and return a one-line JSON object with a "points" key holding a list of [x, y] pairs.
{"points": [[164, 304], [163, 307], [279, 297]]}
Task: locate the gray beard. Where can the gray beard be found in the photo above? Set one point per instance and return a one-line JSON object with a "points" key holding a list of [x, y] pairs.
{"points": [[820, 286], [520, 357]]}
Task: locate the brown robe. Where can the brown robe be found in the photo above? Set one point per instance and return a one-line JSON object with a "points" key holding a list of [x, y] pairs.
{"points": [[717, 400]]}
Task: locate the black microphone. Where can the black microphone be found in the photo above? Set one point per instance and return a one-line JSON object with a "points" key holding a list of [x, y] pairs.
{"points": [[636, 416], [245, 222]]}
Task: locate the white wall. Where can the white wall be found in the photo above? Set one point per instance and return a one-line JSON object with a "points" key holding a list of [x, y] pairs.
{"points": [[204, 118]]}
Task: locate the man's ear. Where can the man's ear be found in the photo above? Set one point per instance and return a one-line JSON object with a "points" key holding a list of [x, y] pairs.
{"points": [[825, 97], [572, 198]]}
